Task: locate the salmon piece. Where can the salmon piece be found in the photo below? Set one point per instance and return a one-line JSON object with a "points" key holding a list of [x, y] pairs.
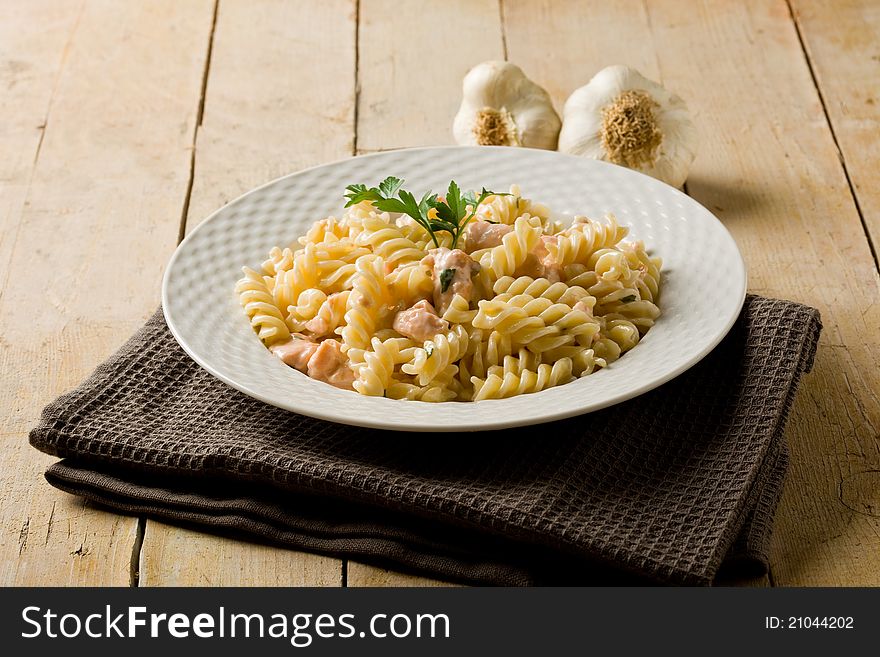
{"points": [[419, 322], [330, 365], [296, 352], [541, 263], [451, 272], [484, 235]]}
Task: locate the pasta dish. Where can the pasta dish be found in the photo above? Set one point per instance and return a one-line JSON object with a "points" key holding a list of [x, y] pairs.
{"points": [[452, 297]]}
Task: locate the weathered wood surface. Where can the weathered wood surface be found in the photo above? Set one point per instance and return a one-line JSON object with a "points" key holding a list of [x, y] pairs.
{"points": [[842, 41], [113, 146], [412, 57], [264, 114], [359, 574], [99, 102], [174, 556]]}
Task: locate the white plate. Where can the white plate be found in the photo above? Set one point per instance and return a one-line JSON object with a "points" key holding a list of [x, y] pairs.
{"points": [[703, 288]]}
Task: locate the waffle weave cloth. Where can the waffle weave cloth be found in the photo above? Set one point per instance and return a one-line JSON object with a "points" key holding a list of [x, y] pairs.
{"points": [[672, 486]]}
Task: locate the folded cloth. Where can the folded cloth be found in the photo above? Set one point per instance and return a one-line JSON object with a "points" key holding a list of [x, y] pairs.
{"points": [[671, 486]]}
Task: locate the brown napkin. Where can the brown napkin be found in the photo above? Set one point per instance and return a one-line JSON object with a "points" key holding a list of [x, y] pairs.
{"points": [[667, 487]]}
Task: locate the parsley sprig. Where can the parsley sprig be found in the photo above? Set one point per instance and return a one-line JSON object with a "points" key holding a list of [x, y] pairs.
{"points": [[451, 214]]}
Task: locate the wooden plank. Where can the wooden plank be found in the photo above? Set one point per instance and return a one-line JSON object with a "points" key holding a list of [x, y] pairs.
{"points": [[98, 108], [31, 60], [280, 97], [842, 40], [360, 574], [172, 556], [582, 43], [767, 166], [412, 58]]}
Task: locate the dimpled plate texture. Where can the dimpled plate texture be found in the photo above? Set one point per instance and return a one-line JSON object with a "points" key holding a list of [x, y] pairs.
{"points": [[702, 292]]}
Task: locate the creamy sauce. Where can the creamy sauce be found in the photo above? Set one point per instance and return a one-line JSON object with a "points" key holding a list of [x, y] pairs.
{"points": [[420, 322], [462, 266], [484, 235]]}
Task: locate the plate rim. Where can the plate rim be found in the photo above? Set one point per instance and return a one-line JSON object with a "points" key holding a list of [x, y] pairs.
{"points": [[494, 425]]}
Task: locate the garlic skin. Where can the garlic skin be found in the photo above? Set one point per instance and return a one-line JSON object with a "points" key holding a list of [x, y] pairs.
{"points": [[500, 106], [622, 117]]}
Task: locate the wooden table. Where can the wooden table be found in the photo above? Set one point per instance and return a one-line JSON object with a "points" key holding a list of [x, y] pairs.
{"points": [[124, 124]]}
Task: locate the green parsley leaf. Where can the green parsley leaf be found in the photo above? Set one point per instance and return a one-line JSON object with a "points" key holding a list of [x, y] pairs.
{"points": [[455, 202], [358, 193], [484, 194], [629, 298], [470, 199], [410, 203], [389, 186], [446, 214], [390, 205], [428, 201], [443, 225], [446, 277]]}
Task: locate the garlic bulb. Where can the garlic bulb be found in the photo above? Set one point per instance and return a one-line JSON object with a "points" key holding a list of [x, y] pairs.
{"points": [[500, 106], [624, 118]]}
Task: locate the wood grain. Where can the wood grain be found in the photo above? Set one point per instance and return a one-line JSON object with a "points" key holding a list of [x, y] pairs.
{"points": [[768, 167], [279, 97], [360, 574], [561, 45], [97, 105], [173, 556], [842, 40], [412, 58]]}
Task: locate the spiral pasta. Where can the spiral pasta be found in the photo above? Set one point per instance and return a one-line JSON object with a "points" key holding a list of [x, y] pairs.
{"points": [[260, 307], [410, 283], [329, 316], [387, 241], [412, 392], [330, 229], [500, 384], [437, 354], [507, 209], [557, 292], [511, 254], [369, 301], [364, 306], [307, 306], [373, 376], [578, 243], [459, 311]]}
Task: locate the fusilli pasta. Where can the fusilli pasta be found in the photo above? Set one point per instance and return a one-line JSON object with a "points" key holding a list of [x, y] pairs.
{"points": [[371, 303]]}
